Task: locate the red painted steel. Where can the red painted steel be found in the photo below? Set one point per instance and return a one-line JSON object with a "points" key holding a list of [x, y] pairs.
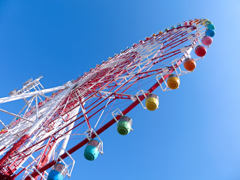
{"points": [[106, 126], [102, 80]]}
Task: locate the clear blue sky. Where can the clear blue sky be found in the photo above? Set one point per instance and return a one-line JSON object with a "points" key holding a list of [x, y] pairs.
{"points": [[195, 133]]}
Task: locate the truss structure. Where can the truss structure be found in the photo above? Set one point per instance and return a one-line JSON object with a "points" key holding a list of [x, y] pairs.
{"points": [[38, 134]]}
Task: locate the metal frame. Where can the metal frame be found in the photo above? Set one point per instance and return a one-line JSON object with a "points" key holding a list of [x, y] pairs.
{"points": [[94, 93]]}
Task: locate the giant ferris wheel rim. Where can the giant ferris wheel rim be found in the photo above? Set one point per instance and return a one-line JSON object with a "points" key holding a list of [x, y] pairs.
{"points": [[123, 60]]}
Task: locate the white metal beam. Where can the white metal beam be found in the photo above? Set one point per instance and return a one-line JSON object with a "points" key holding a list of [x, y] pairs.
{"points": [[26, 95]]}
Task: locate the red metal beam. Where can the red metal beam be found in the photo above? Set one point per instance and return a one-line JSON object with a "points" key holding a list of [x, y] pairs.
{"points": [[102, 129]]}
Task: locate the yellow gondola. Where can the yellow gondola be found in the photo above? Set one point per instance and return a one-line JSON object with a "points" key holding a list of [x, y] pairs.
{"points": [[152, 102], [173, 81]]}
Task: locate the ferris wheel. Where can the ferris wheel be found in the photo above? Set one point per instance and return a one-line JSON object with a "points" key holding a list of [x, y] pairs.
{"points": [[34, 140]]}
